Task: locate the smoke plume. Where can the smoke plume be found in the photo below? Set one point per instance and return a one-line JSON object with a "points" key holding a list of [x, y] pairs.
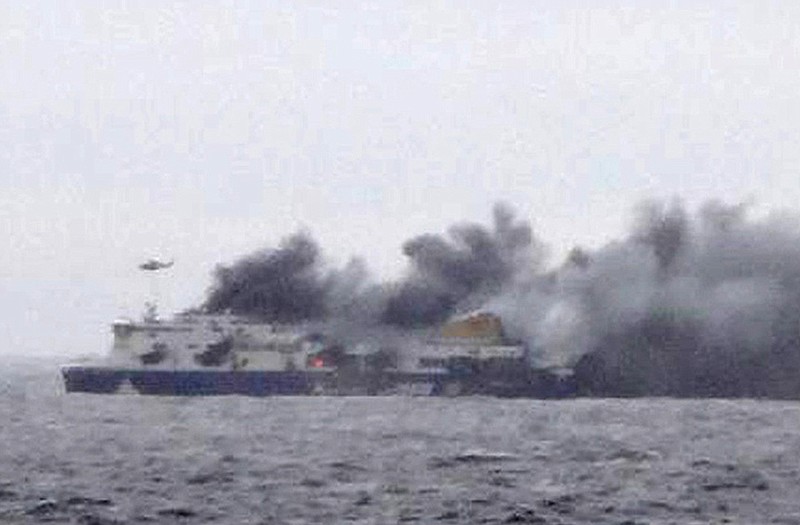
{"points": [[448, 273], [286, 284], [703, 303]]}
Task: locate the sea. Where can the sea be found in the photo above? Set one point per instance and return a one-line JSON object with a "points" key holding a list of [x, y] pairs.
{"points": [[128, 459]]}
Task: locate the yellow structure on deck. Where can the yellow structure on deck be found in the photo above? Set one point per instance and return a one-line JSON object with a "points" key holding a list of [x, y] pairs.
{"points": [[485, 327]]}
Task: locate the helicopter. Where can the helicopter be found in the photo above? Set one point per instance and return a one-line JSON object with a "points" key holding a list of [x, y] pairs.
{"points": [[155, 264]]}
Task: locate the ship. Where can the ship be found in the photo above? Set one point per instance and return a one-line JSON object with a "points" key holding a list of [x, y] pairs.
{"points": [[198, 353]]}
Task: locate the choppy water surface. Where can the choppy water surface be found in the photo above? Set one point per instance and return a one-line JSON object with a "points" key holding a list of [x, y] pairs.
{"points": [[127, 459]]}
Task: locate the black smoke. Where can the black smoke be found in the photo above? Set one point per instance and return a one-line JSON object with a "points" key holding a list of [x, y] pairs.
{"points": [[286, 284], [664, 229], [447, 273], [465, 267]]}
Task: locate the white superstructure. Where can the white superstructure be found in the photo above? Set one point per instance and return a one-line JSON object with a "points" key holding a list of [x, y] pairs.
{"points": [[210, 341]]}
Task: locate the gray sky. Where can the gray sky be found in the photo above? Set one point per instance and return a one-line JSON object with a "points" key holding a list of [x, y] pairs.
{"points": [[200, 131]]}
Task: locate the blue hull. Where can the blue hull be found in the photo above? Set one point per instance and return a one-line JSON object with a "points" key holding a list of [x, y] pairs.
{"points": [[103, 380], [109, 380]]}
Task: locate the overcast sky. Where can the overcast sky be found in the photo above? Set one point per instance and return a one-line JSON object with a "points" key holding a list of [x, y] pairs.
{"points": [[201, 131]]}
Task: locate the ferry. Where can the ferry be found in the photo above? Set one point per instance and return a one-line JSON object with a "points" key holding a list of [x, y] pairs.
{"points": [[199, 353]]}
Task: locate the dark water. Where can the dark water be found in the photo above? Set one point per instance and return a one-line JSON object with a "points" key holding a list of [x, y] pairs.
{"points": [[126, 459]]}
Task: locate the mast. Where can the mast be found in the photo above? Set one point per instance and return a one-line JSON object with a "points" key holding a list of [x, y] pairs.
{"points": [[153, 268]]}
